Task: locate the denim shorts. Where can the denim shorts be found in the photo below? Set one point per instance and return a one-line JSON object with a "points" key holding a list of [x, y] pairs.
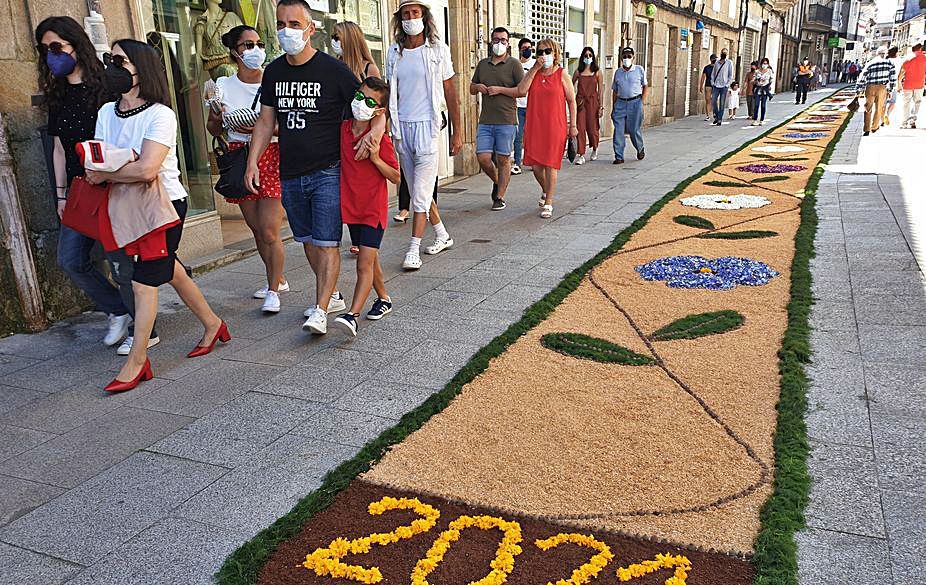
{"points": [[365, 235], [313, 207], [497, 138]]}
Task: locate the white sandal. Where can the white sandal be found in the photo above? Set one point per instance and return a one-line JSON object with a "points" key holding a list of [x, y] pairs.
{"points": [[547, 212]]}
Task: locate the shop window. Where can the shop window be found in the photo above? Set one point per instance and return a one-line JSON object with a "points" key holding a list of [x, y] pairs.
{"points": [[576, 20], [641, 44]]}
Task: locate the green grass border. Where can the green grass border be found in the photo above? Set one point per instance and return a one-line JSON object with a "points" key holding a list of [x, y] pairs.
{"points": [[243, 566], [782, 516]]}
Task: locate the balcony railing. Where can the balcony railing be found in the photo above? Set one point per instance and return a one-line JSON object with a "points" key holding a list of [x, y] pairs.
{"points": [[819, 14]]}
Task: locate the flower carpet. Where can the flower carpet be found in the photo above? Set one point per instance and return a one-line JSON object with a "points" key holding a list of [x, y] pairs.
{"points": [[637, 425]]}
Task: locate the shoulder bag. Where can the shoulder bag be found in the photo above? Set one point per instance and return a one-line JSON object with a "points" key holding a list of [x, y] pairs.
{"points": [[232, 165]]}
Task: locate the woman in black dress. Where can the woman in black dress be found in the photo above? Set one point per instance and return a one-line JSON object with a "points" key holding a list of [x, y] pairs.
{"points": [[71, 78]]}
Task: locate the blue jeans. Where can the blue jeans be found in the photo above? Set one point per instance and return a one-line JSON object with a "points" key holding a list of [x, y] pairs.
{"points": [[627, 117], [761, 102], [74, 258], [313, 207], [519, 137], [495, 138], [719, 102]]}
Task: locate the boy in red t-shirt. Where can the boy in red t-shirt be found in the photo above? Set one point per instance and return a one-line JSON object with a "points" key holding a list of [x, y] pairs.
{"points": [[364, 199]]}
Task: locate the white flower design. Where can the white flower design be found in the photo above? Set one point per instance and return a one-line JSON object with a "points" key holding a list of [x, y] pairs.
{"points": [[808, 126], [779, 149], [720, 201]]}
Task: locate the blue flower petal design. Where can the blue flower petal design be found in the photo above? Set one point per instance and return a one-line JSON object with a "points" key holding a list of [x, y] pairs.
{"points": [[806, 135], [723, 273]]}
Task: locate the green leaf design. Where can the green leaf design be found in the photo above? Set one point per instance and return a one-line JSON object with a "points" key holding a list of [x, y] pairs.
{"points": [[743, 235], [693, 221], [791, 159], [726, 184], [699, 325], [585, 347], [771, 179]]}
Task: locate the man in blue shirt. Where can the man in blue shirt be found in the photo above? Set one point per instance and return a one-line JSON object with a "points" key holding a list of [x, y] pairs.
{"points": [[721, 78], [629, 92]]}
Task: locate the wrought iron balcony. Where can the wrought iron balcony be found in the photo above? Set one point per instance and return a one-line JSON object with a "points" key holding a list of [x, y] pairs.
{"points": [[820, 15]]}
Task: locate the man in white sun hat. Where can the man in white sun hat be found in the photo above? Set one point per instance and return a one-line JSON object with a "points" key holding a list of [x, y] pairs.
{"points": [[420, 74]]}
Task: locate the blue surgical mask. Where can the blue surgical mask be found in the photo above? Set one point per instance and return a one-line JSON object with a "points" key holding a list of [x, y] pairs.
{"points": [[254, 58], [61, 64], [587, 60]]}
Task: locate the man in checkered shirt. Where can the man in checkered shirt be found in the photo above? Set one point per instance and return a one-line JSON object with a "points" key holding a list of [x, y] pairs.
{"points": [[876, 81]]}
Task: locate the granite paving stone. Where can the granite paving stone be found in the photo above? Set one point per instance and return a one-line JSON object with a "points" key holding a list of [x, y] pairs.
{"points": [[383, 398], [88, 522], [344, 427], [12, 398], [844, 496], [25, 567], [905, 516], [20, 496], [897, 389], [16, 440]]}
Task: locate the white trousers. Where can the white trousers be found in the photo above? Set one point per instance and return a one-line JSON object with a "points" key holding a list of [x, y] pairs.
{"points": [[417, 149], [911, 104]]}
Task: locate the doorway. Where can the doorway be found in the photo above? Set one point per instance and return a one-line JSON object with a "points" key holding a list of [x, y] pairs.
{"points": [[670, 101], [695, 99]]}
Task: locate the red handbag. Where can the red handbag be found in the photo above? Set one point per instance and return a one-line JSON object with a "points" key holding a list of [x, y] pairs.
{"points": [[83, 207]]}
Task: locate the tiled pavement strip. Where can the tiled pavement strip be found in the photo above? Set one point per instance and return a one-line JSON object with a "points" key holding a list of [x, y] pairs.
{"points": [[159, 484], [867, 400]]}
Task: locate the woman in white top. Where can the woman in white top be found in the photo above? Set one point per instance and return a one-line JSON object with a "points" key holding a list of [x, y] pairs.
{"points": [[235, 111], [142, 120]]}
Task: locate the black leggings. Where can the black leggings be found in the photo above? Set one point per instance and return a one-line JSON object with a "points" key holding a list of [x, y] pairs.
{"points": [[405, 198], [801, 97]]}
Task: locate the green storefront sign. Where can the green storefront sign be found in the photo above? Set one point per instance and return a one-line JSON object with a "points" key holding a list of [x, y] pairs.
{"points": [[832, 42]]}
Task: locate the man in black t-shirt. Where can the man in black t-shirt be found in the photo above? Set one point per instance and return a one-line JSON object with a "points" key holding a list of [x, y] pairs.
{"points": [[305, 93], [706, 90]]}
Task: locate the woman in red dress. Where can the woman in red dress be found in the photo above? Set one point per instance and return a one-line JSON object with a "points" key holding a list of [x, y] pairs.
{"points": [[545, 127]]}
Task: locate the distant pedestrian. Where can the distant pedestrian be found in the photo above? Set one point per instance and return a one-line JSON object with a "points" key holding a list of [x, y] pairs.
{"points": [[891, 101], [733, 99], [875, 82], [589, 92], [824, 75], [629, 91], [705, 86], [748, 85], [547, 128], [914, 79], [803, 81], [762, 91], [497, 78], [526, 57], [721, 78]]}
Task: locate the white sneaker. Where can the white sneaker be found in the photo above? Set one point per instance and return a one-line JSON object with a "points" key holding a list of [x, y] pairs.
{"points": [[126, 346], [335, 303], [762, 123], [271, 303], [515, 170], [317, 323], [438, 246], [755, 123], [412, 261], [118, 327], [580, 160], [261, 293], [594, 154]]}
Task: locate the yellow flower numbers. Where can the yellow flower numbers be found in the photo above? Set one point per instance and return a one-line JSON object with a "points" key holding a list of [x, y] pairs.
{"points": [[327, 561], [590, 569], [680, 563], [503, 563]]}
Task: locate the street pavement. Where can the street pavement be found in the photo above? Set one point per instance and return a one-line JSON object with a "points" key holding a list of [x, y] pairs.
{"points": [[867, 516], [159, 484]]}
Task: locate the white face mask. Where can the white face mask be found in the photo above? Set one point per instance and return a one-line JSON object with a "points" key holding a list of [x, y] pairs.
{"points": [[362, 112], [336, 48], [291, 40], [546, 61], [765, 66], [413, 26], [499, 49], [626, 62], [587, 60], [254, 58]]}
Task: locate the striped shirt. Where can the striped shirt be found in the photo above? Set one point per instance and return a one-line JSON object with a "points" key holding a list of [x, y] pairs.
{"points": [[878, 72]]}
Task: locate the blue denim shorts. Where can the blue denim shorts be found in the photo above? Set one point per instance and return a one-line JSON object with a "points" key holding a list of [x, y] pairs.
{"points": [[497, 138], [313, 207]]}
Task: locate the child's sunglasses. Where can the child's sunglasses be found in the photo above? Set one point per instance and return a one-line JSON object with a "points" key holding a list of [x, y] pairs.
{"points": [[360, 97]]}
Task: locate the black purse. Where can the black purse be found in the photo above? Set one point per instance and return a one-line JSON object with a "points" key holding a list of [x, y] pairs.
{"points": [[572, 148], [232, 165]]}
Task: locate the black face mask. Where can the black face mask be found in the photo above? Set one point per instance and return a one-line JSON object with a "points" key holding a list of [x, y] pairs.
{"points": [[723, 56], [118, 79], [526, 53]]}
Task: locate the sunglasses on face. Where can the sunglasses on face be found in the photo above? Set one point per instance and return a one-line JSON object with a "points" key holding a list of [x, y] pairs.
{"points": [[117, 60], [360, 97], [248, 45], [54, 47], [545, 51]]}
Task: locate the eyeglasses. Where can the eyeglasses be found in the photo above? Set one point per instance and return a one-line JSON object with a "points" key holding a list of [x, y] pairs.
{"points": [[117, 60], [545, 51], [54, 47], [360, 97], [336, 37], [248, 45], [497, 40]]}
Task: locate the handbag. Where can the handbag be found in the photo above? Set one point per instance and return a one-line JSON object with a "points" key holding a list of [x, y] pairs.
{"points": [[853, 105], [84, 204], [232, 165], [571, 149]]}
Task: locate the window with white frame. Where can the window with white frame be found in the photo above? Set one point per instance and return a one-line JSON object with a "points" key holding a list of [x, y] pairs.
{"points": [[641, 43], [732, 8]]}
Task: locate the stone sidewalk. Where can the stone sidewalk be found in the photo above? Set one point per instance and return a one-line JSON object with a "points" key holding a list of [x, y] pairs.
{"points": [[159, 484], [867, 516]]}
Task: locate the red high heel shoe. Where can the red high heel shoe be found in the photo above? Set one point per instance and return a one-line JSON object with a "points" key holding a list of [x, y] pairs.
{"points": [[143, 376], [222, 334]]}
